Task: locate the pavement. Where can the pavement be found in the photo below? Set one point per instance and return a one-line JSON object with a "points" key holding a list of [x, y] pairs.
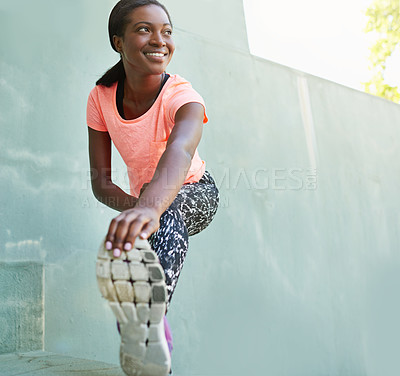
{"points": [[40, 363]]}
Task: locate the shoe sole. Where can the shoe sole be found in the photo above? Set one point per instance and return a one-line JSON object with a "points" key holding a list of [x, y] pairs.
{"points": [[134, 285]]}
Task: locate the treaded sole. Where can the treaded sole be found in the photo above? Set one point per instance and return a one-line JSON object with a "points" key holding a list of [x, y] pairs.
{"points": [[134, 285]]}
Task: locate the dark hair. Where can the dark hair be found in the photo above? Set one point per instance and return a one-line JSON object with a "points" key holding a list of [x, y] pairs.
{"points": [[117, 22]]}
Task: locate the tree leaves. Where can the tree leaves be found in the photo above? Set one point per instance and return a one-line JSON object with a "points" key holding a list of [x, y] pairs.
{"points": [[383, 19]]}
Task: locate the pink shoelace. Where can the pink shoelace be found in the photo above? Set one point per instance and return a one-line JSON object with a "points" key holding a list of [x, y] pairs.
{"points": [[168, 334]]}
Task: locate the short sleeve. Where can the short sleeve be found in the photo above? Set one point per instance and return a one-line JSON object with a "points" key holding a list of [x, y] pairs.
{"points": [[182, 94], [94, 117]]}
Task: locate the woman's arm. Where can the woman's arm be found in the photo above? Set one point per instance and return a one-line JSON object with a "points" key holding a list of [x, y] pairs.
{"points": [[168, 178], [100, 166]]}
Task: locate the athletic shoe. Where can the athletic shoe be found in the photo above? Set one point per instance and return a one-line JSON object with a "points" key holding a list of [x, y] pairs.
{"points": [[134, 285]]}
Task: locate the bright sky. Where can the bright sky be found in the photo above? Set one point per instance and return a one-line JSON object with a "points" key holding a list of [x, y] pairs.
{"points": [[321, 37]]}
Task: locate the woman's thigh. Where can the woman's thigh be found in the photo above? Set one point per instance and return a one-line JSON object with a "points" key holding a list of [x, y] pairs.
{"points": [[198, 203]]}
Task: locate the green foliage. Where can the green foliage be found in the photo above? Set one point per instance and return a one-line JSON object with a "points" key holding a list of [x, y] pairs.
{"points": [[384, 19]]}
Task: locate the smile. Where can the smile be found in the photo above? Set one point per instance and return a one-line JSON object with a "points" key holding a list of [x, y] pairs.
{"points": [[154, 54]]}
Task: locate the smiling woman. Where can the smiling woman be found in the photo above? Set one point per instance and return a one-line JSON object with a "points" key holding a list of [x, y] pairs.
{"points": [[155, 120]]}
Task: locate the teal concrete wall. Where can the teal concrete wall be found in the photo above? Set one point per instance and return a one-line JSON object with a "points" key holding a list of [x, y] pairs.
{"points": [[298, 274]]}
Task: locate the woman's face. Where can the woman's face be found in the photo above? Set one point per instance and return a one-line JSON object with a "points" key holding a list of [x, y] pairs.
{"points": [[147, 45]]}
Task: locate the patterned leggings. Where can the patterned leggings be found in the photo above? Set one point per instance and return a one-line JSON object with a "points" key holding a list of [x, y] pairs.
{"points": [[191, 212]]}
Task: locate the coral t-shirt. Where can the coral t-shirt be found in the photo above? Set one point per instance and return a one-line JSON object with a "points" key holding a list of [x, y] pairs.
{"points": [[142, 141]]}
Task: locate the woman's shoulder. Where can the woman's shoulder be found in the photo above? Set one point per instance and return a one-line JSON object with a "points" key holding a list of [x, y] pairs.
{"points": [[176, 79], [101, 93], [104, 90], [179, 92], [176, 84]]}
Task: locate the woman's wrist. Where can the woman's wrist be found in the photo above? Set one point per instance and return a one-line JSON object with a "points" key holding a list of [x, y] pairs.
{"points": [[155, 202]]}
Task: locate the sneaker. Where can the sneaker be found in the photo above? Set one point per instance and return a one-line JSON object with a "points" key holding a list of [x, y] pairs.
{"points": [[134, 285]]}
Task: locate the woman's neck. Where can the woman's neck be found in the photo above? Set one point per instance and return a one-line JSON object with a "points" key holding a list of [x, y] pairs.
{"points": [[142, 88]]}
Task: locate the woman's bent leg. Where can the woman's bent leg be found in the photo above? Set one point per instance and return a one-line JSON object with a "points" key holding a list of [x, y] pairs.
{"points": [[192, 211]]}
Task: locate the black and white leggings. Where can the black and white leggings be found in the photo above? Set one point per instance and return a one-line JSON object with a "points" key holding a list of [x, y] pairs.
{"points": [[191, 212]]}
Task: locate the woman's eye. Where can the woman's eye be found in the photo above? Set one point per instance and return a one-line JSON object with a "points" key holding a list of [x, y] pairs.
{"points": [[143, 28], [168, 32]]}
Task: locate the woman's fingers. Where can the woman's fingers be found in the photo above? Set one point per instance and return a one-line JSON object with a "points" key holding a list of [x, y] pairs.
{"points": [[149, 229], [134, 231], [110, 234], [130, 224], [120, 234], [118, 230]]}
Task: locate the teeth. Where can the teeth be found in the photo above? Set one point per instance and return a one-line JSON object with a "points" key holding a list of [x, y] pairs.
{"points": [[154, 54]]}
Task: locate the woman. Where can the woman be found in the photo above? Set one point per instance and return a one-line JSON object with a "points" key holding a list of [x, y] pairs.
{"points": [[155, 120]]}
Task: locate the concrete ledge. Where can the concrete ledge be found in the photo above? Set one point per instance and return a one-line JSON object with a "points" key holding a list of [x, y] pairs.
{"points": [[21, 309], [40, 363]]}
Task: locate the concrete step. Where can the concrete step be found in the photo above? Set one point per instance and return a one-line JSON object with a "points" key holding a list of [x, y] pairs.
{"points": [[40, 363]]}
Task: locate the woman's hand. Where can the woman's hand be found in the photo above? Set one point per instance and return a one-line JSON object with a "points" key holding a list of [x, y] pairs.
{"points": [[131, 223]]}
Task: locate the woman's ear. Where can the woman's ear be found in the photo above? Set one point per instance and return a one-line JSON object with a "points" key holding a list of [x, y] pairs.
{"points": [[117, 43]]}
